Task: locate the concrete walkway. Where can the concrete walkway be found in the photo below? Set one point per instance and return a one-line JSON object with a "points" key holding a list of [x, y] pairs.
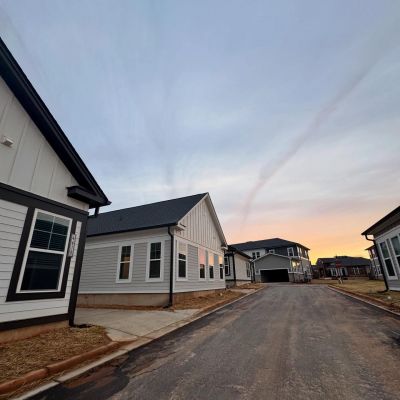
{"points": [[125, 325]]}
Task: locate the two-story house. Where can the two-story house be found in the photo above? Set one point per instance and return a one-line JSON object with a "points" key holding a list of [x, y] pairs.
{"points": [[343, 266], [278, 260]]}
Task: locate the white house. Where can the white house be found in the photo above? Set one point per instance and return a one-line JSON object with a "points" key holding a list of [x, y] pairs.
{"points": [[238, 267], [45, 193], [386, 239], [153, 254]]}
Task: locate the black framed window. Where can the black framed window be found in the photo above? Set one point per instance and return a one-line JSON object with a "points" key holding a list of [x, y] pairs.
{"points": [[211, 265], [202, 264], [155, 261]]}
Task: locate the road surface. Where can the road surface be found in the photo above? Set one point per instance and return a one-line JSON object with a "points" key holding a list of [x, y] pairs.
{"points": [[285, 342]]}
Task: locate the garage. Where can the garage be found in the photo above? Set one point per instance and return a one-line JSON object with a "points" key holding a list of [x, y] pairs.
{"points": [[274, 275]]}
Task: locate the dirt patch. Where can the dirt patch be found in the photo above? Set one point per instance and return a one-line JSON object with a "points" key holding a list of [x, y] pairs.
{"points": [[207, 301], [22, 356], [125, 307], [251, 286]]}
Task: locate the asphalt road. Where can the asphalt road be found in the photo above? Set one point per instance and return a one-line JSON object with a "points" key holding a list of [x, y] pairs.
{"points": [[284, 342]]}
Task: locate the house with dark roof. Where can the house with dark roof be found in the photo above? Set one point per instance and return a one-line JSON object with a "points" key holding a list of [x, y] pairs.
{"points": [[154, 254], [45, 193], [238, 267], [344, 266], [278, 260], [385, 235]]}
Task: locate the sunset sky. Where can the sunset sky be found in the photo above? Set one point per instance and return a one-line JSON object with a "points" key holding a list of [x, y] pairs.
{"points": [[287, 112]]}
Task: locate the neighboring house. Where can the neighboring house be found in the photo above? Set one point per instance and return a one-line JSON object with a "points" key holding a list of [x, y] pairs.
{"points": [[376, 271], [344, 266], [238, 267], [153, 254], [45, 193], [386, 238], [293, 251], [277, 268]]}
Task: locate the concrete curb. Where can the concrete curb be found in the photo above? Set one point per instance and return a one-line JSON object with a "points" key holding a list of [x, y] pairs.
{"points": [[124, 348], [362, 299], [39, 374]]}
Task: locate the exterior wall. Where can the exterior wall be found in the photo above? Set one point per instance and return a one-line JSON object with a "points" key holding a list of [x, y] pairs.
{"points": [[241, 269], [12, 219], [200, 228], [393, 281], [30, 164], [101, 260], [250, 252]]}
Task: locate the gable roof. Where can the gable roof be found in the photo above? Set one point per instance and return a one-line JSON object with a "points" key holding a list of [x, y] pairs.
{"points": [[271, 255], [389, 220], [148, 216], [267, 244], [233, 249], [88, 190], [346, 261]]}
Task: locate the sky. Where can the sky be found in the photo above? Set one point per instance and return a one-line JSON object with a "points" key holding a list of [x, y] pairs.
{"points": [[285, 111]]}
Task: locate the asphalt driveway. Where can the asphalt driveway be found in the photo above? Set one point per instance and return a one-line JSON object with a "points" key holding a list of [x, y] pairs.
{"points": [[284, 342]]}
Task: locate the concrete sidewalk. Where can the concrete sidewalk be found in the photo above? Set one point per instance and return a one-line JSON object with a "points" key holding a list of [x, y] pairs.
{"points": [[123, 325]]}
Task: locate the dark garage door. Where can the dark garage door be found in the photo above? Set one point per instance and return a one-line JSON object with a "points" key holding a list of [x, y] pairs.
{"points": [[275, 275]]}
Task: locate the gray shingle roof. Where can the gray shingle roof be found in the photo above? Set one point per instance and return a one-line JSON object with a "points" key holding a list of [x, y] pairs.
{"points": [[346, 261], [267, 244], [163, 213]]}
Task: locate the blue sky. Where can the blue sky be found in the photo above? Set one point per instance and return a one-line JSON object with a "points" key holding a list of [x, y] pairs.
{"points": [[287, 112]]}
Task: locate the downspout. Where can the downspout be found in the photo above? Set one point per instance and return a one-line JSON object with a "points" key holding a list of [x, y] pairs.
{"points": [[380, 261], [171, 269]]}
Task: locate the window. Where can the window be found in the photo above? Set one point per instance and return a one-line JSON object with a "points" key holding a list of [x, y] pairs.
{"points": [[248, 269], [387, 260], [272, 251], [396, 248], [227, 266], [202, 264], [155, 261], [290, 252], [124, 265], [255, 254], [221, 268], [211, 265], [45, 256], [182, 260]]}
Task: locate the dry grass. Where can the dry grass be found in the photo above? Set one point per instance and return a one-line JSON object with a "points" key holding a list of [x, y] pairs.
{"points": [[207, 301], [251, 286], [22, 356]]}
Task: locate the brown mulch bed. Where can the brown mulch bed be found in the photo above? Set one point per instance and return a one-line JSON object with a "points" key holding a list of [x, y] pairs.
{"points": [[22, 356]]}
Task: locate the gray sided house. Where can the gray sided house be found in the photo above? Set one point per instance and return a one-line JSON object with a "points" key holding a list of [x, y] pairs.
{"points": [[45, 193], [386, 239], [291, 263], [343, 266], [238, 267], [153, 254]]}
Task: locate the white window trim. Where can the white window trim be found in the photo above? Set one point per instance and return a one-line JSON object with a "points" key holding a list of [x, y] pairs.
{"points": [[198, 263], [223, 267], [178, 278], [209, 253], [229, 267], [271, 251], [290, 248], [28, 248], [117, 279], [161, 278], [386, 239]]}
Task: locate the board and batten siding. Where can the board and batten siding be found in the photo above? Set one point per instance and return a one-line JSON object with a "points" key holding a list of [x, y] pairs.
{"points": [[31, 164], [200, 227], [12, 218], [194, 283], [100, 265]]}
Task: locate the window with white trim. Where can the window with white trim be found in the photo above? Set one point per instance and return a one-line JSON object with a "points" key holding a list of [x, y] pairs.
{"points": [[124, 264], [155, 261], [182, 260], [202, 263], [255, 254], [221, 267], [387, 259], [290, 252], [46, 254], [396, 248], [211, 265], [248, 269], [272, 251], [227, 266]]}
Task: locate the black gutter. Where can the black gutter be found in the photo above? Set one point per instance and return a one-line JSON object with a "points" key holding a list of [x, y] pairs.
{"points": [[234, 267], [171, 269], [380, 261]]}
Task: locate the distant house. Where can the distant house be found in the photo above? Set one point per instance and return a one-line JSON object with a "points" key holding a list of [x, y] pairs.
{"points": [[238, 267], [376, 271], [154, 254], [344, 266], [386, 238], [291, 261], [45, 193]]}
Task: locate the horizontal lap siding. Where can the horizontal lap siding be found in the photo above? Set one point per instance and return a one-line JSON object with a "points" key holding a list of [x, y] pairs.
{"points": [[194, 283], [99, 271], [18, 310]]}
